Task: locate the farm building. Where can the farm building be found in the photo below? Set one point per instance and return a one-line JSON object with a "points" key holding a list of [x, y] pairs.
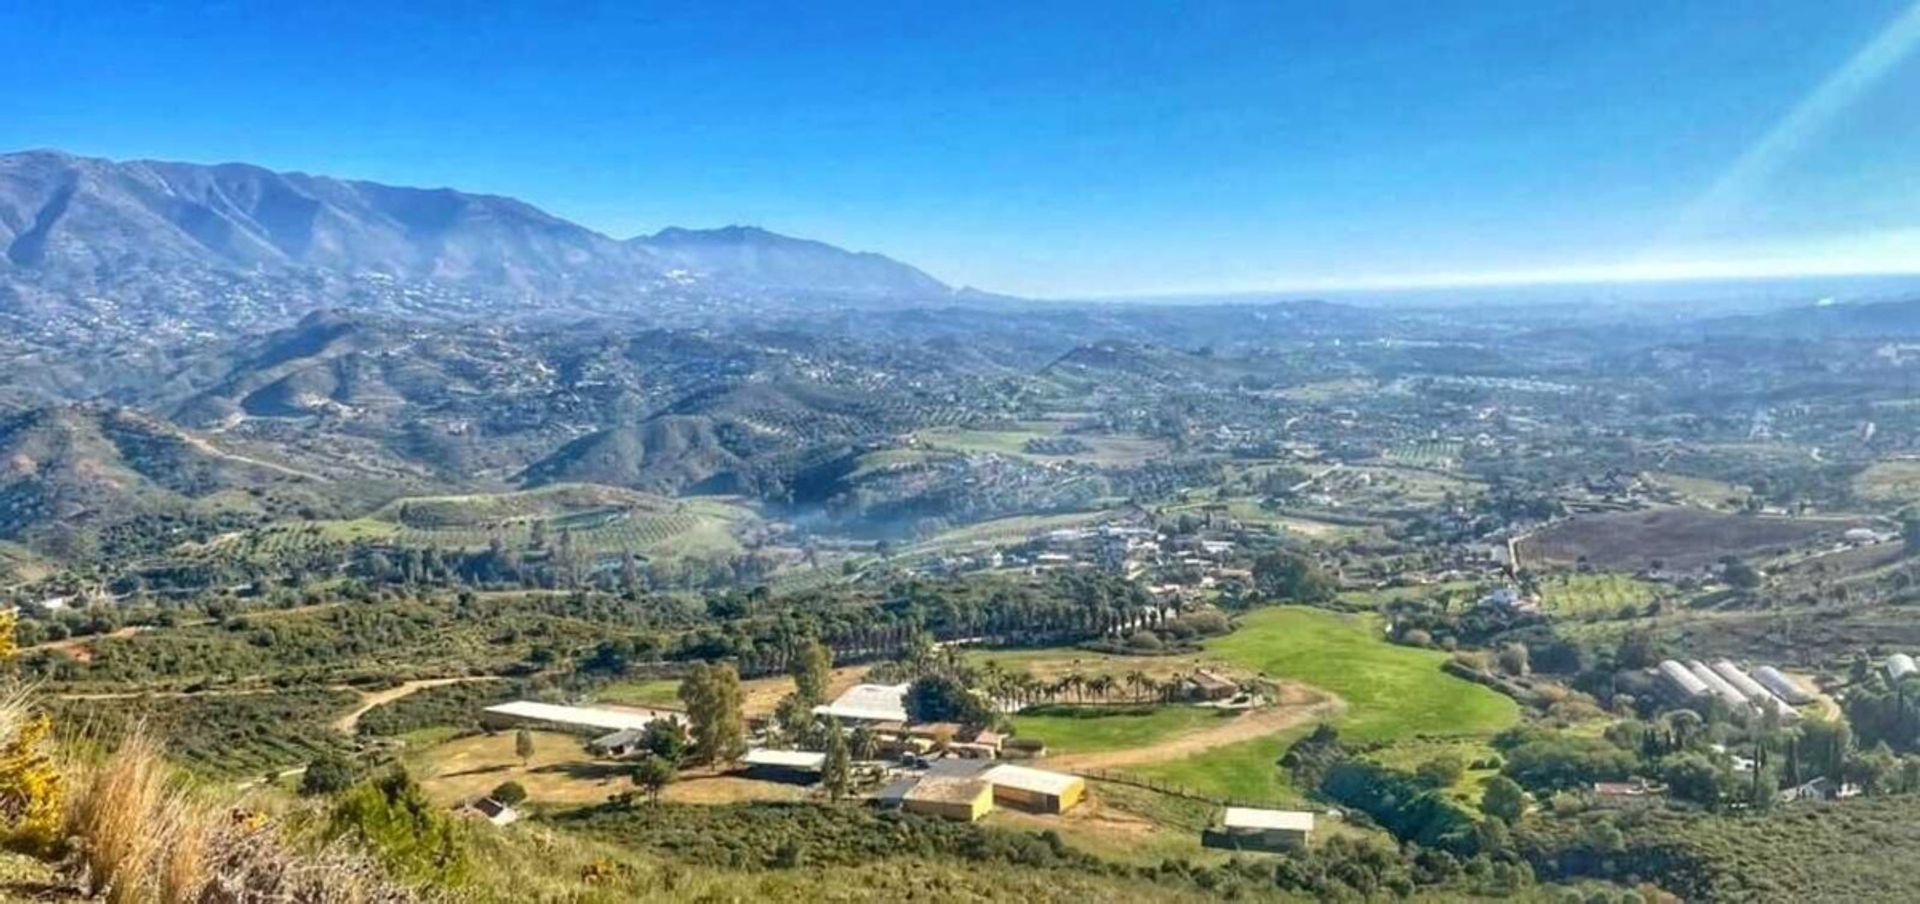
{"points": [[573, 719], [948, 797], [1717, 685], [1626, 794], [1741, 682], [1019, 787], [622, 743], [1247, 828], [1680, 682], [1782, 686], [793, 766], [1900, 665], [1035, 790], [492, 811], [1209, 686], [1754, 691], [868, 703]]}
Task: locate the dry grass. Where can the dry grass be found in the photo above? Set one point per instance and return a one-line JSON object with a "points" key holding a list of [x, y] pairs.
{"points": [[119, 817], [142, 837]]}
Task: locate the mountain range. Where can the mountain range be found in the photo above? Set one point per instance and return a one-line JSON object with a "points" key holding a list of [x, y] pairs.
{"points": [[71, 224]]}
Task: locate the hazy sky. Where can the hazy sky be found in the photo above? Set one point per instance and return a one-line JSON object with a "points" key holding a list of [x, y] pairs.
{"points": [[1059, 149]]}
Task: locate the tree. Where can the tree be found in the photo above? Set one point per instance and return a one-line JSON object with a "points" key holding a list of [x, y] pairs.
{"points": [[329, 773], [1740, 575], [712, 696], [864, 744], [942, 698], [1441, 771], [523, 746], [1691, 776], [1291, 576], [1503, 799], [837, 773], [652, 774], [392, 817], [509, 793], [812, 668], [666, 739], [793, 717]]}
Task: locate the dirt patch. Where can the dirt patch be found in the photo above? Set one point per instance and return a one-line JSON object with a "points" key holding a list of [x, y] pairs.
{"points": [[80, 649], [1680, 537], [559, 772], [762, 695], [727, 789], [562, 772], [1297, 705]]}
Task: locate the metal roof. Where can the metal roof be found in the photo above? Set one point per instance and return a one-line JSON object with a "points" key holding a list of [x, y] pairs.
{"points": [[586, 717], [1026, 778], [792, 759], [950, 790], [1782, 686], [869, 702], [1250, 818]]}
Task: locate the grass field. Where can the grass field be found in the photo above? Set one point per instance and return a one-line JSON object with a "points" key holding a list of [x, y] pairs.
{"points": [[1248, 510], [620, 521], [1008, 530], [1385, 595], [1086, 729], [1393, 693], [1705, 491], [1896, 481], [651, 693], [1594, 594]]}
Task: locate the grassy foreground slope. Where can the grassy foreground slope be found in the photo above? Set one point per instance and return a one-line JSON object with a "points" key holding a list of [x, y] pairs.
{"points": [[1392, 693]]}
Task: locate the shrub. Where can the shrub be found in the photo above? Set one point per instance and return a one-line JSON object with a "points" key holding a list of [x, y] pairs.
{"points": [[508, 793], [330, 773]]}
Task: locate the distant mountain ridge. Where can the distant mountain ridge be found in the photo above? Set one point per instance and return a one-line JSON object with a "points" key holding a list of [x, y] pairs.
{"points": [[90, 221]]}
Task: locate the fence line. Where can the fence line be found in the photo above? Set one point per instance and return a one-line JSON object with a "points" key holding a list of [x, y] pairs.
{"points": [[1155, 785]]}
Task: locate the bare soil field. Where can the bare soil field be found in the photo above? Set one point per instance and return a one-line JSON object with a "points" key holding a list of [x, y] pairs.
{"points": [[1678, 537]]}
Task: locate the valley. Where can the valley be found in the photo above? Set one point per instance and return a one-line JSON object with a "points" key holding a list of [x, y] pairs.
{"points": [[739, 564]]}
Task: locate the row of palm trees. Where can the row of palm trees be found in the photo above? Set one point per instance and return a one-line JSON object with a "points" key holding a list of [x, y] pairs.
{"points": [[1014, 690]]}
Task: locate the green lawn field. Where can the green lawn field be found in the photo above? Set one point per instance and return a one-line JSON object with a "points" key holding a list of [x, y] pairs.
{"points": [[1598, 594], [1393, 693], [1088, 729]]}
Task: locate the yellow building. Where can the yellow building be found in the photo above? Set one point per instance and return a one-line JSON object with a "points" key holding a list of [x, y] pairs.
{"points": [[1034, 790], [965, 799]]}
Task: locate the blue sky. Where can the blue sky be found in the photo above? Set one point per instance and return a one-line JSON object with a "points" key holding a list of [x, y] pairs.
{"points": [[1062, 149]]}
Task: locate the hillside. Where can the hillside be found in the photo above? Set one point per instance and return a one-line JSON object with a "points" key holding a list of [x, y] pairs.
{"points": [[85, 466]]}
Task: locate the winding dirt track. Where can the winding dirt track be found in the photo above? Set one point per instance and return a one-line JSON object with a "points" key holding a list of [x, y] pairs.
{"points": [[369, 699], [1307, 706]]}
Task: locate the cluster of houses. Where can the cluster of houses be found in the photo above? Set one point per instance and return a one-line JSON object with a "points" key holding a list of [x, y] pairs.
{"points": [[946, 772], [1766, 689], [1129, 550]]}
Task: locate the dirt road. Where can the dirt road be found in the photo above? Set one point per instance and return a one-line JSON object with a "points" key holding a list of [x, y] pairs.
{"points": [[1308, 706], [369, 699]]}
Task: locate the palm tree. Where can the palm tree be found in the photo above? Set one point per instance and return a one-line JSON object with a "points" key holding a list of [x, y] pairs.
{"points": [[1137, 681]]}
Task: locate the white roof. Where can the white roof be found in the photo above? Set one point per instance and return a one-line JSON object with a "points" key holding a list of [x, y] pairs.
{"points": [[794, 759], [871, 702], [588, 717], [1250, 818], [1027, 778]]}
